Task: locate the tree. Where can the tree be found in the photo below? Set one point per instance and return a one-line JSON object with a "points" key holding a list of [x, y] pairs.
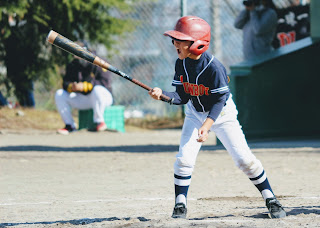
{"points": [[25, 24]]}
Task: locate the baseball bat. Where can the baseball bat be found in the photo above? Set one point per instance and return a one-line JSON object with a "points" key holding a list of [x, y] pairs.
{"points": [[75, 49]]}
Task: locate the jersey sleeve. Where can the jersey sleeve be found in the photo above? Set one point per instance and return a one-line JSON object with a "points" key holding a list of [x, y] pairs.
{"points": [[179, 96], [218, 106], [220, 81], [176, 80], [219, 92]]}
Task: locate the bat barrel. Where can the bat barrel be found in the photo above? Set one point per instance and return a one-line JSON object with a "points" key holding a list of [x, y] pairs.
{"points": [[69, 46]]}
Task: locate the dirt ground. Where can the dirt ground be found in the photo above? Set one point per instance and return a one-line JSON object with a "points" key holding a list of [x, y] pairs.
{"points": [[126, 180]]}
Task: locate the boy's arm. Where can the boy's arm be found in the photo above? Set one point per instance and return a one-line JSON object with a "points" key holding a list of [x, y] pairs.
{"points": [[204, 130], [179, 97], [215, 111]]}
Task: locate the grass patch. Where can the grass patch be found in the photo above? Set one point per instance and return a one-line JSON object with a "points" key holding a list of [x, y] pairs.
{"points": [[30, 118], [26, 118]]}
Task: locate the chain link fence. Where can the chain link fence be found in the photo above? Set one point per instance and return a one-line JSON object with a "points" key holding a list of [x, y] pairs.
{"points": [[148, 56]]}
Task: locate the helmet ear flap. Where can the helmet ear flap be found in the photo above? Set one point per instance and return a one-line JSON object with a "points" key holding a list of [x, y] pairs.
{"points": [[198, 47]]}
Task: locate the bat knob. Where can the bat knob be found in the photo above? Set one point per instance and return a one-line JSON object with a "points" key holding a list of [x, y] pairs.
{"points": [[51, 36]]}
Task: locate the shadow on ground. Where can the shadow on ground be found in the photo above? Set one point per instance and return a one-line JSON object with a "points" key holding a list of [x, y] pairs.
{"points": [[152, 148], [133, 149], [83, 221]]}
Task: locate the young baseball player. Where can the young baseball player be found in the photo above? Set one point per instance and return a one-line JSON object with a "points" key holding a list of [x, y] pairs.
{"points": [[201, 82], [85, 86]]}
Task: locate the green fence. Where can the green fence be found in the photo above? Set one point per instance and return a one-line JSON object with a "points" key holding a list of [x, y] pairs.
{"points": [[278, 95]]}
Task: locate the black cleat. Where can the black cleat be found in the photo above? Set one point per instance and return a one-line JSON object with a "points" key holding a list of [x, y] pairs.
{"points": [[179, 211], [275, 208]]}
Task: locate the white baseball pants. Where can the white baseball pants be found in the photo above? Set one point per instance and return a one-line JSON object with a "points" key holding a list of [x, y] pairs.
{"points": [[227, 130], [98, 100]]}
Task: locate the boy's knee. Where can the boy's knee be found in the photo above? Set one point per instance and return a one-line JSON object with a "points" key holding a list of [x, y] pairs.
{"points": [[183, 167], [250, 166]]}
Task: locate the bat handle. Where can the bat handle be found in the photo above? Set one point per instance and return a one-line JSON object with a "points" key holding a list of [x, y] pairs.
{"points": [[162, 97], [100, 62]]}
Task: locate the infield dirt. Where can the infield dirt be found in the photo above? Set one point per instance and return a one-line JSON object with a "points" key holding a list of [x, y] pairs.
{"points": [[113, 179]]}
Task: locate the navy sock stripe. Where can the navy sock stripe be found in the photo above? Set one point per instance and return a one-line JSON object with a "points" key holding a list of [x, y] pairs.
{"points": [[258, 177], [181, 190], [264, 185], [182, 178]]}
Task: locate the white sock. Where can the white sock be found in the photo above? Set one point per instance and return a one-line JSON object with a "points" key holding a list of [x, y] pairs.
{"points": [[181, 199], [267, 194]]}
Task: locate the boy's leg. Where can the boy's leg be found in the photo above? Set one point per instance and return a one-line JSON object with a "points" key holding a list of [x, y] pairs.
{"points": [[229, 132], [231, 136], [185, 161]]}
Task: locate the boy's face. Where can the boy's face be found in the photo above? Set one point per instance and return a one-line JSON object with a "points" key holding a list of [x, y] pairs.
{"points": [[182, 47]]}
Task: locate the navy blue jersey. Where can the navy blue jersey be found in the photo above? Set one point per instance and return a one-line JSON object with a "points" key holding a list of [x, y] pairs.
{"points": [[203, 81]]}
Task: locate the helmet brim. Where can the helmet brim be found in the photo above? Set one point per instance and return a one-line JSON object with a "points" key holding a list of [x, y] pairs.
{"points": [[178, 35]]}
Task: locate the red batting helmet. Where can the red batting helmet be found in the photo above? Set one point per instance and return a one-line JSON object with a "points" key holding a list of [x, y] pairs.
{"points": [[194, 29]]}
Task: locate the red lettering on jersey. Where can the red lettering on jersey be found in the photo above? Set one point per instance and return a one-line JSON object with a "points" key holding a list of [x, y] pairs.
{"points": [[185, 85], [190, 88], [203, 90], [194, 89], [207, 91]]}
